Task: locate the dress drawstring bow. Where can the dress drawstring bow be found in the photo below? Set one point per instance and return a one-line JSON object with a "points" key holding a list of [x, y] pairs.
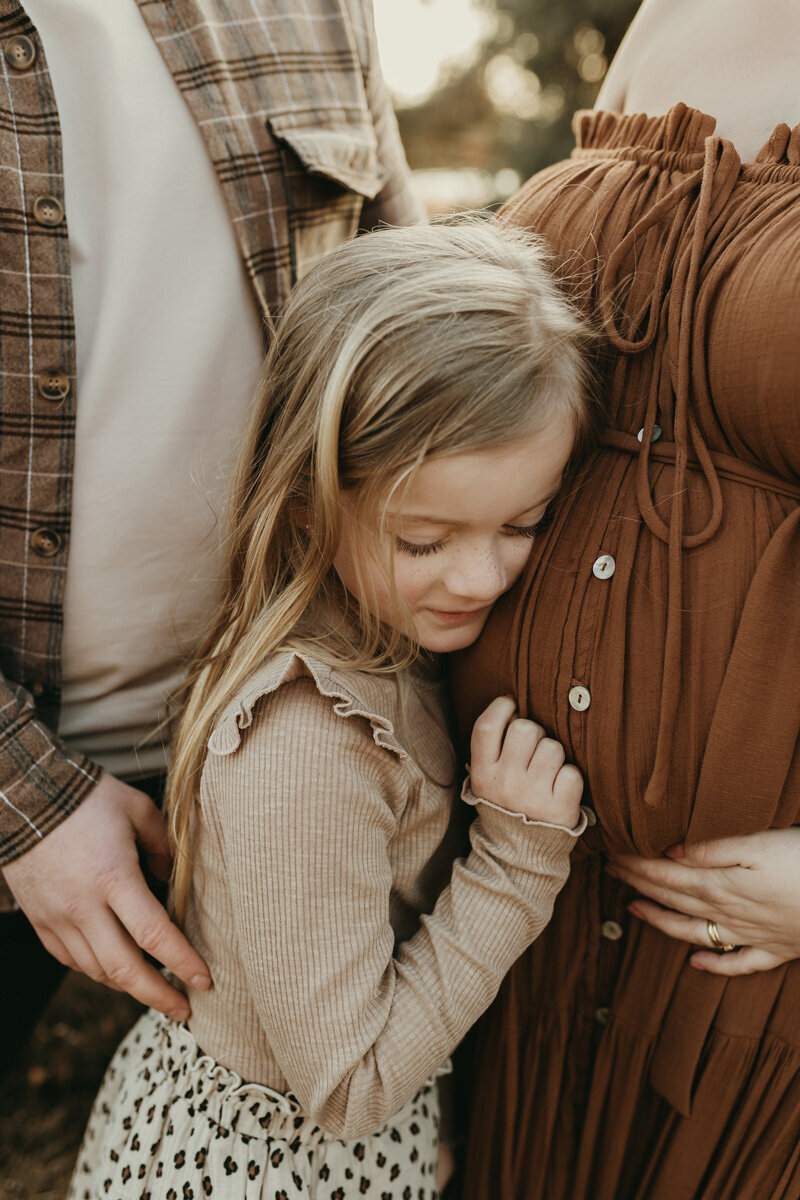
{"points": [[697, 205]]}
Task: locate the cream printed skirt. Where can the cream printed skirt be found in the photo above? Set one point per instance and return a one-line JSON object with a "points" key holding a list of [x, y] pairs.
{"points": [[170, 1123]]}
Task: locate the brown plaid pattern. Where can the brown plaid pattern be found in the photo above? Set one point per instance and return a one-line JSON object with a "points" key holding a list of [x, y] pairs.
{"points": [[291, 104]]}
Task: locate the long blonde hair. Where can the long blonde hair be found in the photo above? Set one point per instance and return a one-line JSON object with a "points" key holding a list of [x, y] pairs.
{"points": [[402, 345]]}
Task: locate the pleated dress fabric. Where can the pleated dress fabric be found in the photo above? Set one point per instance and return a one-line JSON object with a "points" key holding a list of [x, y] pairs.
{"points": [[656, 633]]}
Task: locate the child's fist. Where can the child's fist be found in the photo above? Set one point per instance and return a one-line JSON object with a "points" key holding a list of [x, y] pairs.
{"points": [[516, 767]]}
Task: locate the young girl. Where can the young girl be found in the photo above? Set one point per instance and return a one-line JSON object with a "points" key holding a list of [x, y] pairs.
{"points": [[419, 408]]}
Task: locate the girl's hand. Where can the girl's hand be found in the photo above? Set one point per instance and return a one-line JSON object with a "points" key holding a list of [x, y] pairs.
{"points": [[516, 767], [749, 886]]}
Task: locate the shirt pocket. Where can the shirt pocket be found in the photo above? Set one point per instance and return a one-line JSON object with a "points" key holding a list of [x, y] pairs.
{"points": [[330, 168]]}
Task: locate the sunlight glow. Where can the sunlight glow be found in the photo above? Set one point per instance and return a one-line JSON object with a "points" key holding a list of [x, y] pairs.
{"points": [[419, 40]]}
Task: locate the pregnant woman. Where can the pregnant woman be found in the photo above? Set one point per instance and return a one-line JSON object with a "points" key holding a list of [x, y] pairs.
{"points": [[656, 634]]}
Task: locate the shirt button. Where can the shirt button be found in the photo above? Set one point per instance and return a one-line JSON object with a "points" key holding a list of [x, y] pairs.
{"points": [[45, 542], [48, 211], [612, 930], [38, 689], [604, 566], [579, 698], [53, 385], [590, 814], [601, 1015], [20, 53], [655, 435]]}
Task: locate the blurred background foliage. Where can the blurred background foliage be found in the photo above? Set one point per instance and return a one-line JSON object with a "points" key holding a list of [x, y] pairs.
{"points": [[491, 123]]}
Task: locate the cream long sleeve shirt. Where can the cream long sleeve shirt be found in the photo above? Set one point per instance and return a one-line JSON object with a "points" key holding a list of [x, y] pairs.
{"points": [[350, 953]]}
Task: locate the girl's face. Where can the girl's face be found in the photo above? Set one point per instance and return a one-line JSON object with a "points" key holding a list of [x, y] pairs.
{"points": [[462, 534]]}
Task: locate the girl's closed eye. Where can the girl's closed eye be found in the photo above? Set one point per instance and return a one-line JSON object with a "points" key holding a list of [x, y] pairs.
{"points": [[420, 549], [538, 527]]}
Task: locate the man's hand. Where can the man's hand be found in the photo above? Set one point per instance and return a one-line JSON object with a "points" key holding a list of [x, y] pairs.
{"points": [[83, 891]]}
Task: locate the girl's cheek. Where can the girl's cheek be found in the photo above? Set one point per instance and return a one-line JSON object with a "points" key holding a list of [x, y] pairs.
{"points": [[518, 559], [411, 577]]}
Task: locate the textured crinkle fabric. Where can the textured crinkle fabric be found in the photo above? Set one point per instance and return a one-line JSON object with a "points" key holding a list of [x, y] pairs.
{"points": [[666, 590], [169, 1121]]}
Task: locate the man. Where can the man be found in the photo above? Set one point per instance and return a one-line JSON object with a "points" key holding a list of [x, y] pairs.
{"points": [[169, 167]]}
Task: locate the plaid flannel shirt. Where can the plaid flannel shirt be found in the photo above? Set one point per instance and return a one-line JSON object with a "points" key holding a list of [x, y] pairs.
{"points": [[295, 116]]}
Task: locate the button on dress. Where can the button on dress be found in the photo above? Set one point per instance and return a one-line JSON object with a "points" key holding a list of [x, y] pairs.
{"points": [[688, 1085]]}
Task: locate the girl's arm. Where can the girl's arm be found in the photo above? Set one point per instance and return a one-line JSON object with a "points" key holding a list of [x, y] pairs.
{"points": [[308, 809]]}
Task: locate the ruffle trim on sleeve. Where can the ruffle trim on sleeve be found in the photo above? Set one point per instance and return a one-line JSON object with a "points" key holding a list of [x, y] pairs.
{"points": [[283, 668], [469, 797]]}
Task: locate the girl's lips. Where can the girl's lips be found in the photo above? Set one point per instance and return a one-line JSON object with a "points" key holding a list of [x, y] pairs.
{"points": [[461, 617]]}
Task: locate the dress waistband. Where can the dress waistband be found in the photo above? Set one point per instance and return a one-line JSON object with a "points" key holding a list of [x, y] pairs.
{"points": [[726, 465]]}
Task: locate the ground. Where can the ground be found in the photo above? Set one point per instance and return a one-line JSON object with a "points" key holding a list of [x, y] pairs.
{"points": [[46, 1100]]}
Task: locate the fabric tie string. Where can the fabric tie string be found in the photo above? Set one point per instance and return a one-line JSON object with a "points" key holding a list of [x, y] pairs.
{"points": [[674, 300]]}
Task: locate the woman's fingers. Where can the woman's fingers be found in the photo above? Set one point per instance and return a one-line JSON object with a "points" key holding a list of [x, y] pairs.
{"points": [[678, 925], [667, 883], [723, 852], [746, 961]]}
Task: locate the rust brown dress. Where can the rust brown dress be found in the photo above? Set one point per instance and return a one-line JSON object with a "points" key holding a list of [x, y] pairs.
{"points": [[609, 1069]]}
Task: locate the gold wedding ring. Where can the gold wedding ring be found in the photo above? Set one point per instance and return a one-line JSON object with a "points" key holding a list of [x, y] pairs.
{"points": [[716, 940]]}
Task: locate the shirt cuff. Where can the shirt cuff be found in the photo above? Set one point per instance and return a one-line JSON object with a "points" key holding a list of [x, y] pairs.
{"points": [[469, 797]]}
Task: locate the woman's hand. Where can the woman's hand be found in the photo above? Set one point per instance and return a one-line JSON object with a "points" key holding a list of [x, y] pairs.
{"points": [[515, 766], [749, 886]]}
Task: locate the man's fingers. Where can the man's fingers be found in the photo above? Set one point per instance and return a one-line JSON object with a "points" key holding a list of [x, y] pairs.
{"points": [[151, 834], [489, 730], [83, 953], [54, 945], [746, 961], [151, 929], [147, 985], [123, 967]]}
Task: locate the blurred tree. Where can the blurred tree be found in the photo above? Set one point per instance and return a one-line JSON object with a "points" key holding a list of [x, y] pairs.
{"points": [[514, 107]]}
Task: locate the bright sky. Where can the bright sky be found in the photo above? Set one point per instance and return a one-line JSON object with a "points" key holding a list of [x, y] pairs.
{"points": [[417, 38]]}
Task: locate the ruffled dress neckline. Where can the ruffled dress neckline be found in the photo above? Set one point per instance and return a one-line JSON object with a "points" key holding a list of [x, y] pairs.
{"points": [[680, 132]]}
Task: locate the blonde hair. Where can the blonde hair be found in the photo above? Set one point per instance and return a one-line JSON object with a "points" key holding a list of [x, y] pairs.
{"points": [[402, 345]]}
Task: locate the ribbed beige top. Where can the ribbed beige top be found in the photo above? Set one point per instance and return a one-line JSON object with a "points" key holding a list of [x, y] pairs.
{"points": [[321, 844]]}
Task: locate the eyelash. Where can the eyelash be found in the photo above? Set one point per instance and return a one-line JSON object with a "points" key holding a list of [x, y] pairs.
{"points": [[524, 531]]}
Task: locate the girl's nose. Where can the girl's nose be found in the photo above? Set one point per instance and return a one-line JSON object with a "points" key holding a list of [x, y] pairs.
{"points": [[477, 574]]}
